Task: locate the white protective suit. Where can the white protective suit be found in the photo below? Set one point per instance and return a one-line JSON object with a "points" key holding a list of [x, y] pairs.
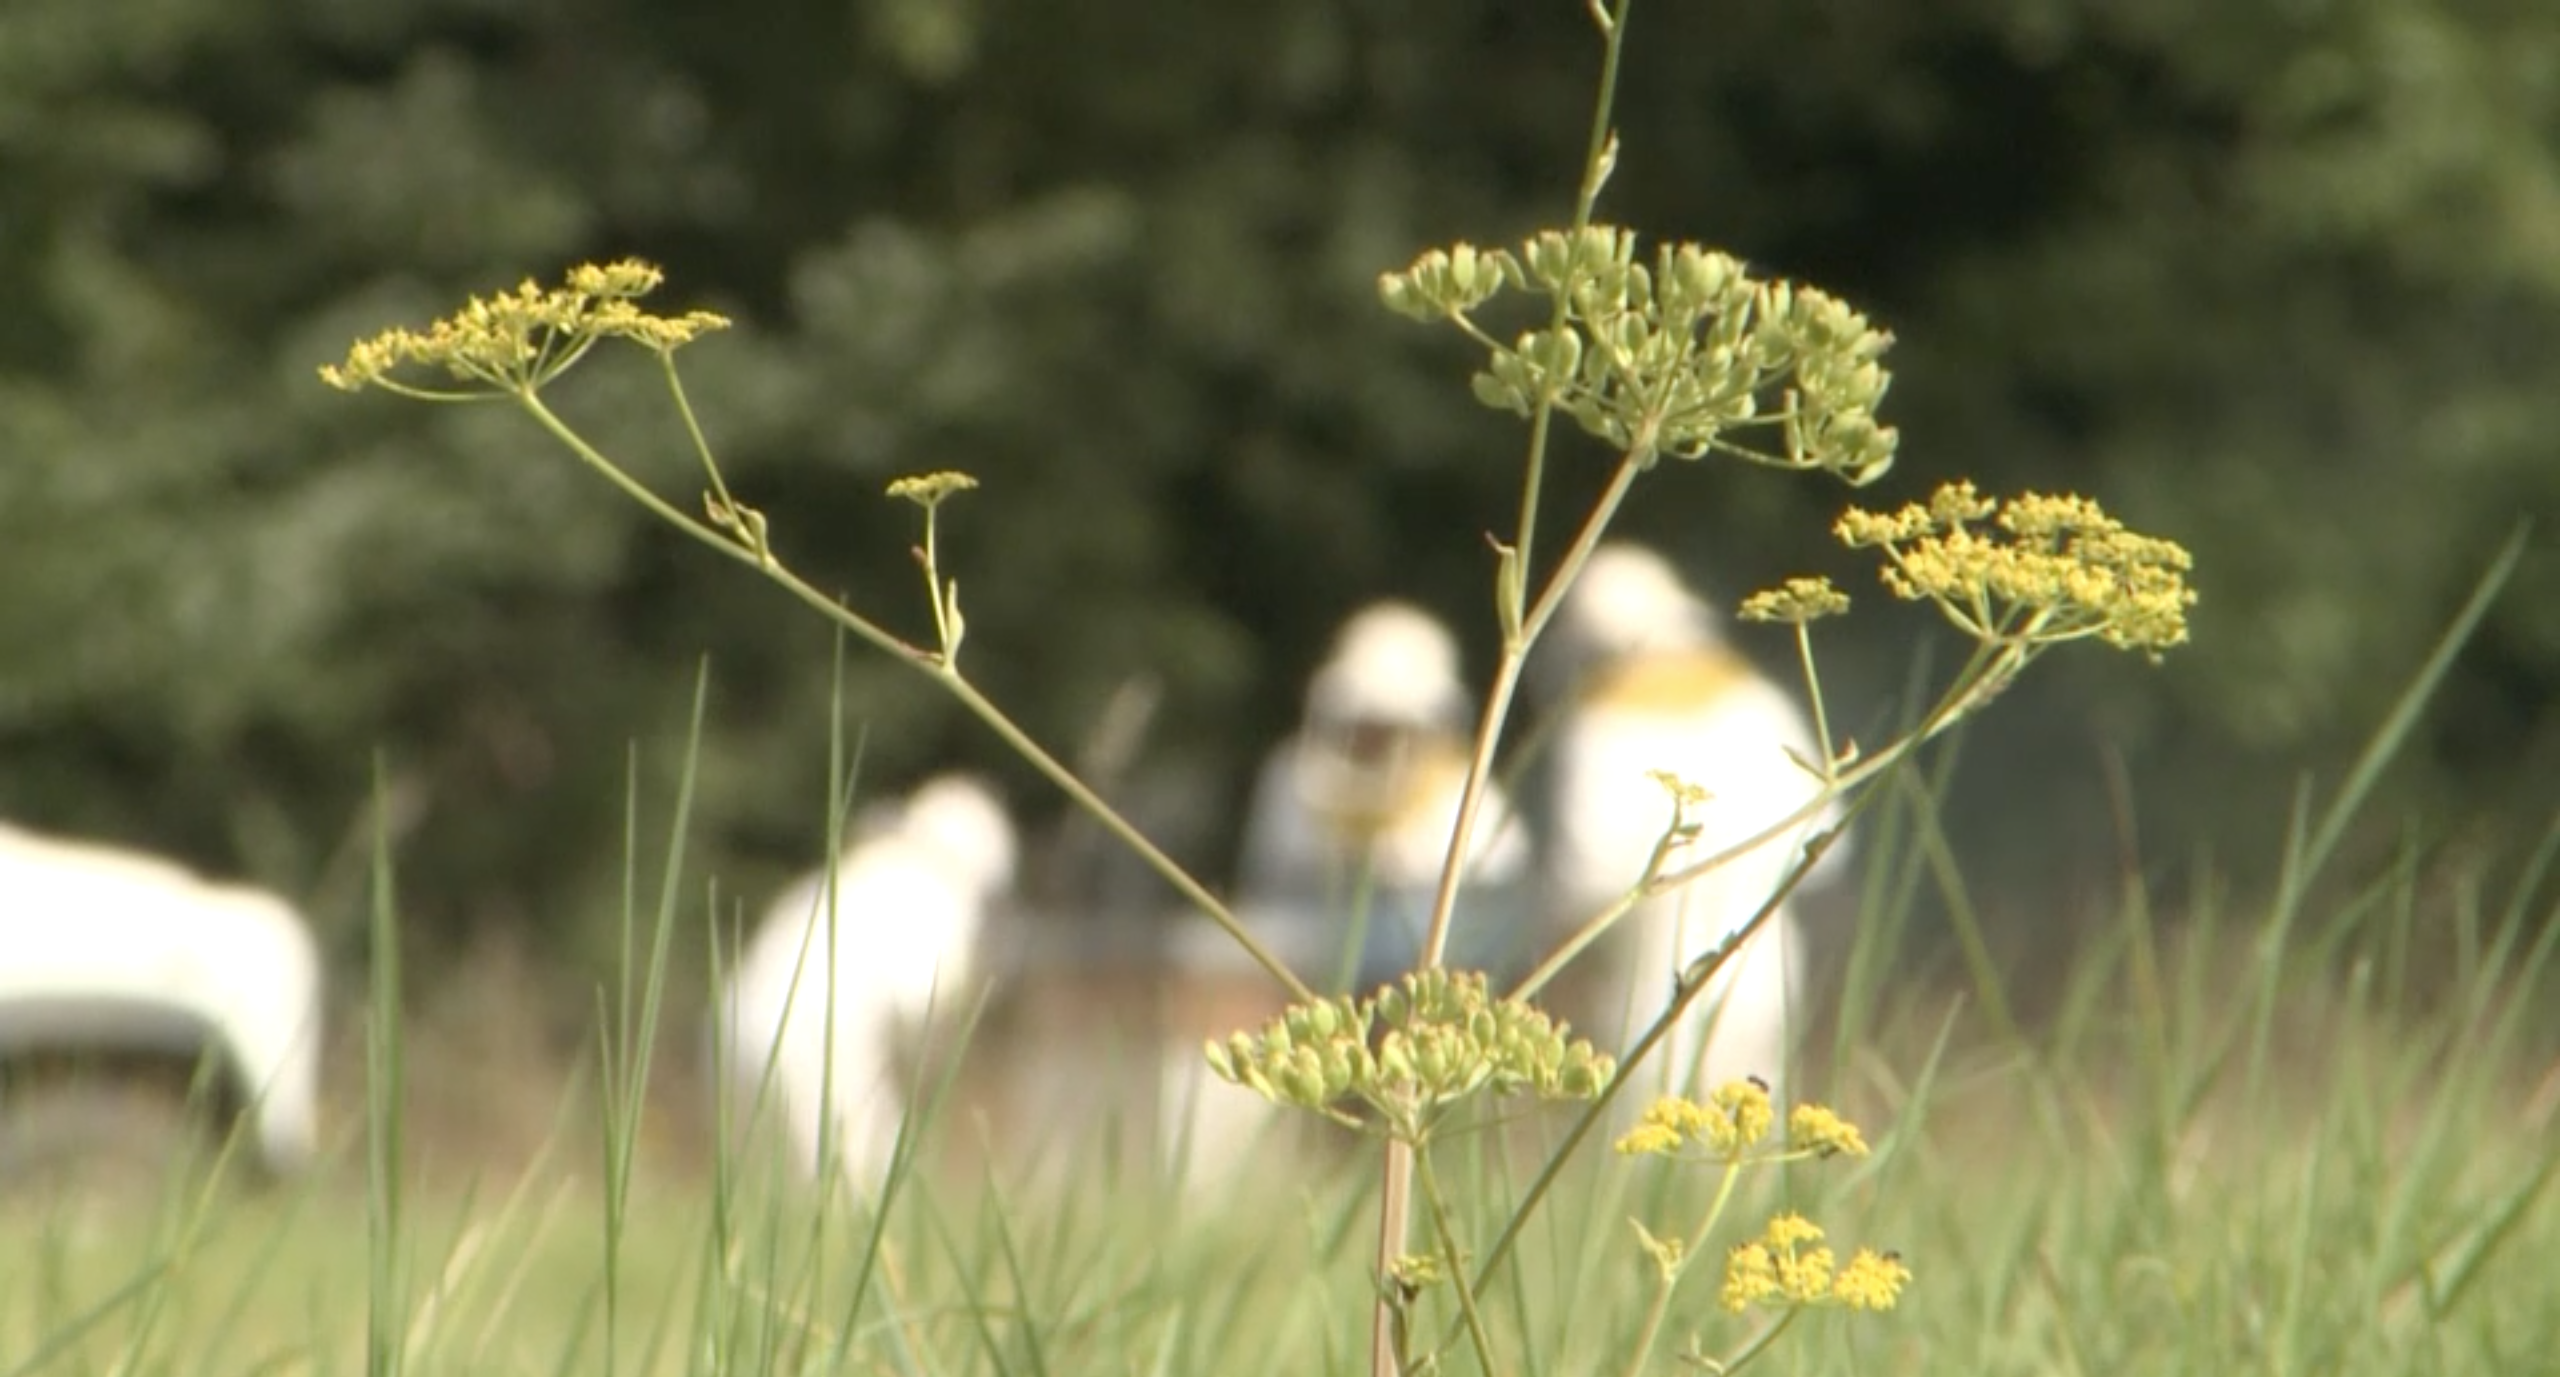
{"points": [[1659, 689], [911, 893]]}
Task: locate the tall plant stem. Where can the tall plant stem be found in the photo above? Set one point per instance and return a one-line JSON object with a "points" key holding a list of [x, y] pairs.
{"points": [[1519, 632]]}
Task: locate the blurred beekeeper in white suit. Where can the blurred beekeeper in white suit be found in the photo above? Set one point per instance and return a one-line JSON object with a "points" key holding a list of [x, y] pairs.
{"points": [[1344, 842], [1350, 823], [911, 893], [111, 950], [1656, 688]]}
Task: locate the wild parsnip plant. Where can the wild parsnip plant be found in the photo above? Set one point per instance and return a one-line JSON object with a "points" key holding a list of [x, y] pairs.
{"points": [[1674, 353]]}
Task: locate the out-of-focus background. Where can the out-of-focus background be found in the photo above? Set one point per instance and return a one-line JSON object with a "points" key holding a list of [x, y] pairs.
{"points": [[2278, 280]]}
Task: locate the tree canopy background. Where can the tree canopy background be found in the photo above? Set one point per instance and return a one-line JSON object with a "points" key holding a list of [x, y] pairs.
{"points": [[2278, 280]]}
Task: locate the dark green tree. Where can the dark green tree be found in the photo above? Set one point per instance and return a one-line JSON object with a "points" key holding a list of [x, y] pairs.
{"points": [[2275, 280]]}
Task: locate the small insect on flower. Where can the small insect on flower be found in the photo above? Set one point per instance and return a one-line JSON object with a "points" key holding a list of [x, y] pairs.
{"points": [[1871, 1281], [1788, 1266], [1735, 1119], [1750, 1276]]}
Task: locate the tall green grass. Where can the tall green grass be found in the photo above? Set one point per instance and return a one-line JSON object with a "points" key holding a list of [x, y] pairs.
{"points": [[2305, 1136]]}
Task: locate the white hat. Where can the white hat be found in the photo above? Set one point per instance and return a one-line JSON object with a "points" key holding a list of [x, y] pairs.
{"points": [[1629, 600], [959, 816], [1393, 662]]}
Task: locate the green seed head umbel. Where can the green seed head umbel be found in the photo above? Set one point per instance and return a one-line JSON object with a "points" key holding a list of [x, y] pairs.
{"points": [[1410, 1052], [1678, 356]]}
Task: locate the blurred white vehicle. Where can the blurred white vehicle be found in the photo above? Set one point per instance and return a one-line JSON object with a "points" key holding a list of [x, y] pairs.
{"points": [[1344, 843], [1659, 689], [911, 893], [108, 950]]}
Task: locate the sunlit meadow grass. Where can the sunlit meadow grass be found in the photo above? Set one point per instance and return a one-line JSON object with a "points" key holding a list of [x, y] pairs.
{"points": [[2248, 1146], [2272, 1141], [2371, 1209]]}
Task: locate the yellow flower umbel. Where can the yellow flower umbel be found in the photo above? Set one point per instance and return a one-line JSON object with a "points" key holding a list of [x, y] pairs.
{"points": [[512, 345], [929, 490], [1788, 1267], [515, 342], [1798, 600], [1871, 1281], [2051, 569], [1736, 1119], [1815, 1130]]}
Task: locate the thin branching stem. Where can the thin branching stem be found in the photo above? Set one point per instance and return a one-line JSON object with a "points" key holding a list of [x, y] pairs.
{"points": [[931, 663], [1693, 984], [1760, 1342], [1597, 150], [1664, 1283], [1715, 1208], [933, 586], [693, 428], [1497, 708], [745, 527], [1454, 1257], [1628, 1065], [1964, 695], [1120, 827], [1667, 1281], [1396, 1179], [1830, 761], [1959, 699]]}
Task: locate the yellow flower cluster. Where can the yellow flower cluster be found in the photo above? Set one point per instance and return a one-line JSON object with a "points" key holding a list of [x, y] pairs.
{"points": [[1684, 795], [1417, 1271], [2055, 569], [1726, 1124], [928, 489], [1789, 1266], [1796, 600], [1815, 1130], [517, 341], [1736, 1118]]}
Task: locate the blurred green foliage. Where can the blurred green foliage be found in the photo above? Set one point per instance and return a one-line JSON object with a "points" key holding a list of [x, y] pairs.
{"points": [[2279, 280]]}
